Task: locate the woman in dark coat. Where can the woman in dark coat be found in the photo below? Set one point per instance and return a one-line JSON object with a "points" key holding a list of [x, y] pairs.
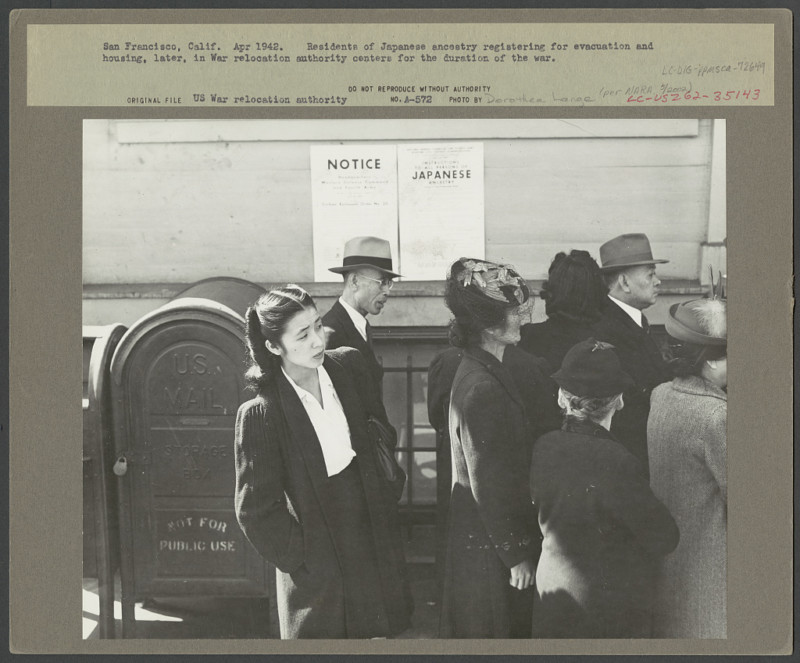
{"points": [[492, 540], [574, 295], [531, 376], [604, 530], [309, 496]]}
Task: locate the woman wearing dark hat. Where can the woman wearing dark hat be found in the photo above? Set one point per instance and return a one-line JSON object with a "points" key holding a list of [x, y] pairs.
{"points": [[492, 539], [687, 448], [603, 528], [574, 295], [309, 496]]}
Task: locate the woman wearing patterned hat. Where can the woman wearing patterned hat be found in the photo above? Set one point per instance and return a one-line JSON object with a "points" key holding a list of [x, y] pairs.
{"points": [[492, 537], [687, 449], [603, 528]]}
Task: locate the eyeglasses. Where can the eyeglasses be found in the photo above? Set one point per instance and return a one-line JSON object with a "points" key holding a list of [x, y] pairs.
{"points": [[386, 281]]}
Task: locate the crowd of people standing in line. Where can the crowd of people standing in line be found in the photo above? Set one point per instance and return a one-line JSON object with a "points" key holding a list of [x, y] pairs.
{"points": [[581, 469]]}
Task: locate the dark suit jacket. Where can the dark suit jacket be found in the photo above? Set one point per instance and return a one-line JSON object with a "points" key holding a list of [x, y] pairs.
{"points": [[283, 505], [342, 332], [641, 358]]}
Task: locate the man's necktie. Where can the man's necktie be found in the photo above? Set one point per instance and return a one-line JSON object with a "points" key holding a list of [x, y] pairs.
{"points": [[369, 336]]}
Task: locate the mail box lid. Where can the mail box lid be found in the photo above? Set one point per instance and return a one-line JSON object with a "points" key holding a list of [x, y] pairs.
{"points": [[236, 294], [219, 301]]}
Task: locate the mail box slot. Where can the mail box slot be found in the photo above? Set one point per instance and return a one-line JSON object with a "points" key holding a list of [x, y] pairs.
{"points": [[100, 528], [177, 382]]}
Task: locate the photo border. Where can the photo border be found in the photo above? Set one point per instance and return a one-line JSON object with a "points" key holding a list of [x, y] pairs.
{"points": [[45, 316]]}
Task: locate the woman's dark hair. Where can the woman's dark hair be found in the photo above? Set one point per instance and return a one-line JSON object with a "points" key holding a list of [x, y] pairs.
{"points": [[688, 358], [574, 288], [473, 312], [266, 320]]}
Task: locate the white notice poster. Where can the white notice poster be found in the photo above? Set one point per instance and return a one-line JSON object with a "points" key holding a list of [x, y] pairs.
{"points": [[354, 192], [441, 206]]}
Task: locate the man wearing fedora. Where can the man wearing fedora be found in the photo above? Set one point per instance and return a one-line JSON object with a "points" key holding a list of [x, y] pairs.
{"points": [[368, 278], [628, 267]]}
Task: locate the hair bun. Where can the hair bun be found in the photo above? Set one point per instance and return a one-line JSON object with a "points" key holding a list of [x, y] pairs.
{"points": [[458, 334]]}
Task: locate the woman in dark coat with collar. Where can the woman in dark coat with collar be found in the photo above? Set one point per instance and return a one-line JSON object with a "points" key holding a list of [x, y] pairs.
{"points": [[604, 530], [492, 539], [574, 295], [309, 496]]}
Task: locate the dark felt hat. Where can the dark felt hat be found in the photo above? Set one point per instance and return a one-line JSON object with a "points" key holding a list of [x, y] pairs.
{"points": [[591, 369], [627, 250], [366, 252]]}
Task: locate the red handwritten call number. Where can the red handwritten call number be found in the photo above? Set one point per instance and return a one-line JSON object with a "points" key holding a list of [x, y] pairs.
{"points": [[728, 95]]}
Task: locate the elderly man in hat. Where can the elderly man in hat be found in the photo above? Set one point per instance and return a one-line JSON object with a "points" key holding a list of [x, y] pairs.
{"points": [[628, 267], [368, 278]]}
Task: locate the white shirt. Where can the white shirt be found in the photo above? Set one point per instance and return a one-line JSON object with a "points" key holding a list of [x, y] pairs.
{"points": [[330, 422], [358, 320], [635, 313]]}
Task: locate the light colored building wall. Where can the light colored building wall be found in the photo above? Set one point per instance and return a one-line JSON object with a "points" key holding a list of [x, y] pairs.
{"points": [[169, 202]]}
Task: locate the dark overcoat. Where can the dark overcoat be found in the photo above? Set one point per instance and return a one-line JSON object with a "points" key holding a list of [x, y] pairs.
{"points": [[640, 358], [283, 505], [552, 338], [538, 391], [604, 533], [530, 374], [342, 332], [491, 524]]}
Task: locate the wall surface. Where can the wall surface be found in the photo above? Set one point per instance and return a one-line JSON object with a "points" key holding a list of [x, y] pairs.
{"points": [[171, 202]]}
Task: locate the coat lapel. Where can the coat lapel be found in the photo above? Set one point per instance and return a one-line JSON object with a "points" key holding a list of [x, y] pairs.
{"points": [[355, 340], [348, 397], [624, 320], [303, 437], [634, 332], [499, 371]]}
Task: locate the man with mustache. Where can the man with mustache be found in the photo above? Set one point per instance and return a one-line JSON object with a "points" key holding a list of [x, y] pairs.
{"points": [[629, 270], [368, 278]]}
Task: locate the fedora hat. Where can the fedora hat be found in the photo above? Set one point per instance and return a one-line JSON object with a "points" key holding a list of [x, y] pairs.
{"points": [[700, 321], [627, 250], [366, 252], [591, 369]]}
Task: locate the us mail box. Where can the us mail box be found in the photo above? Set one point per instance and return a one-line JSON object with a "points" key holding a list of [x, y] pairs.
{"points": [[177, 382]]}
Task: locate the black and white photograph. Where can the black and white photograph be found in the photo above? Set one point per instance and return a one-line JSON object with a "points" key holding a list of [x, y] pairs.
{"points": [[405, 379], [404, 331]]}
